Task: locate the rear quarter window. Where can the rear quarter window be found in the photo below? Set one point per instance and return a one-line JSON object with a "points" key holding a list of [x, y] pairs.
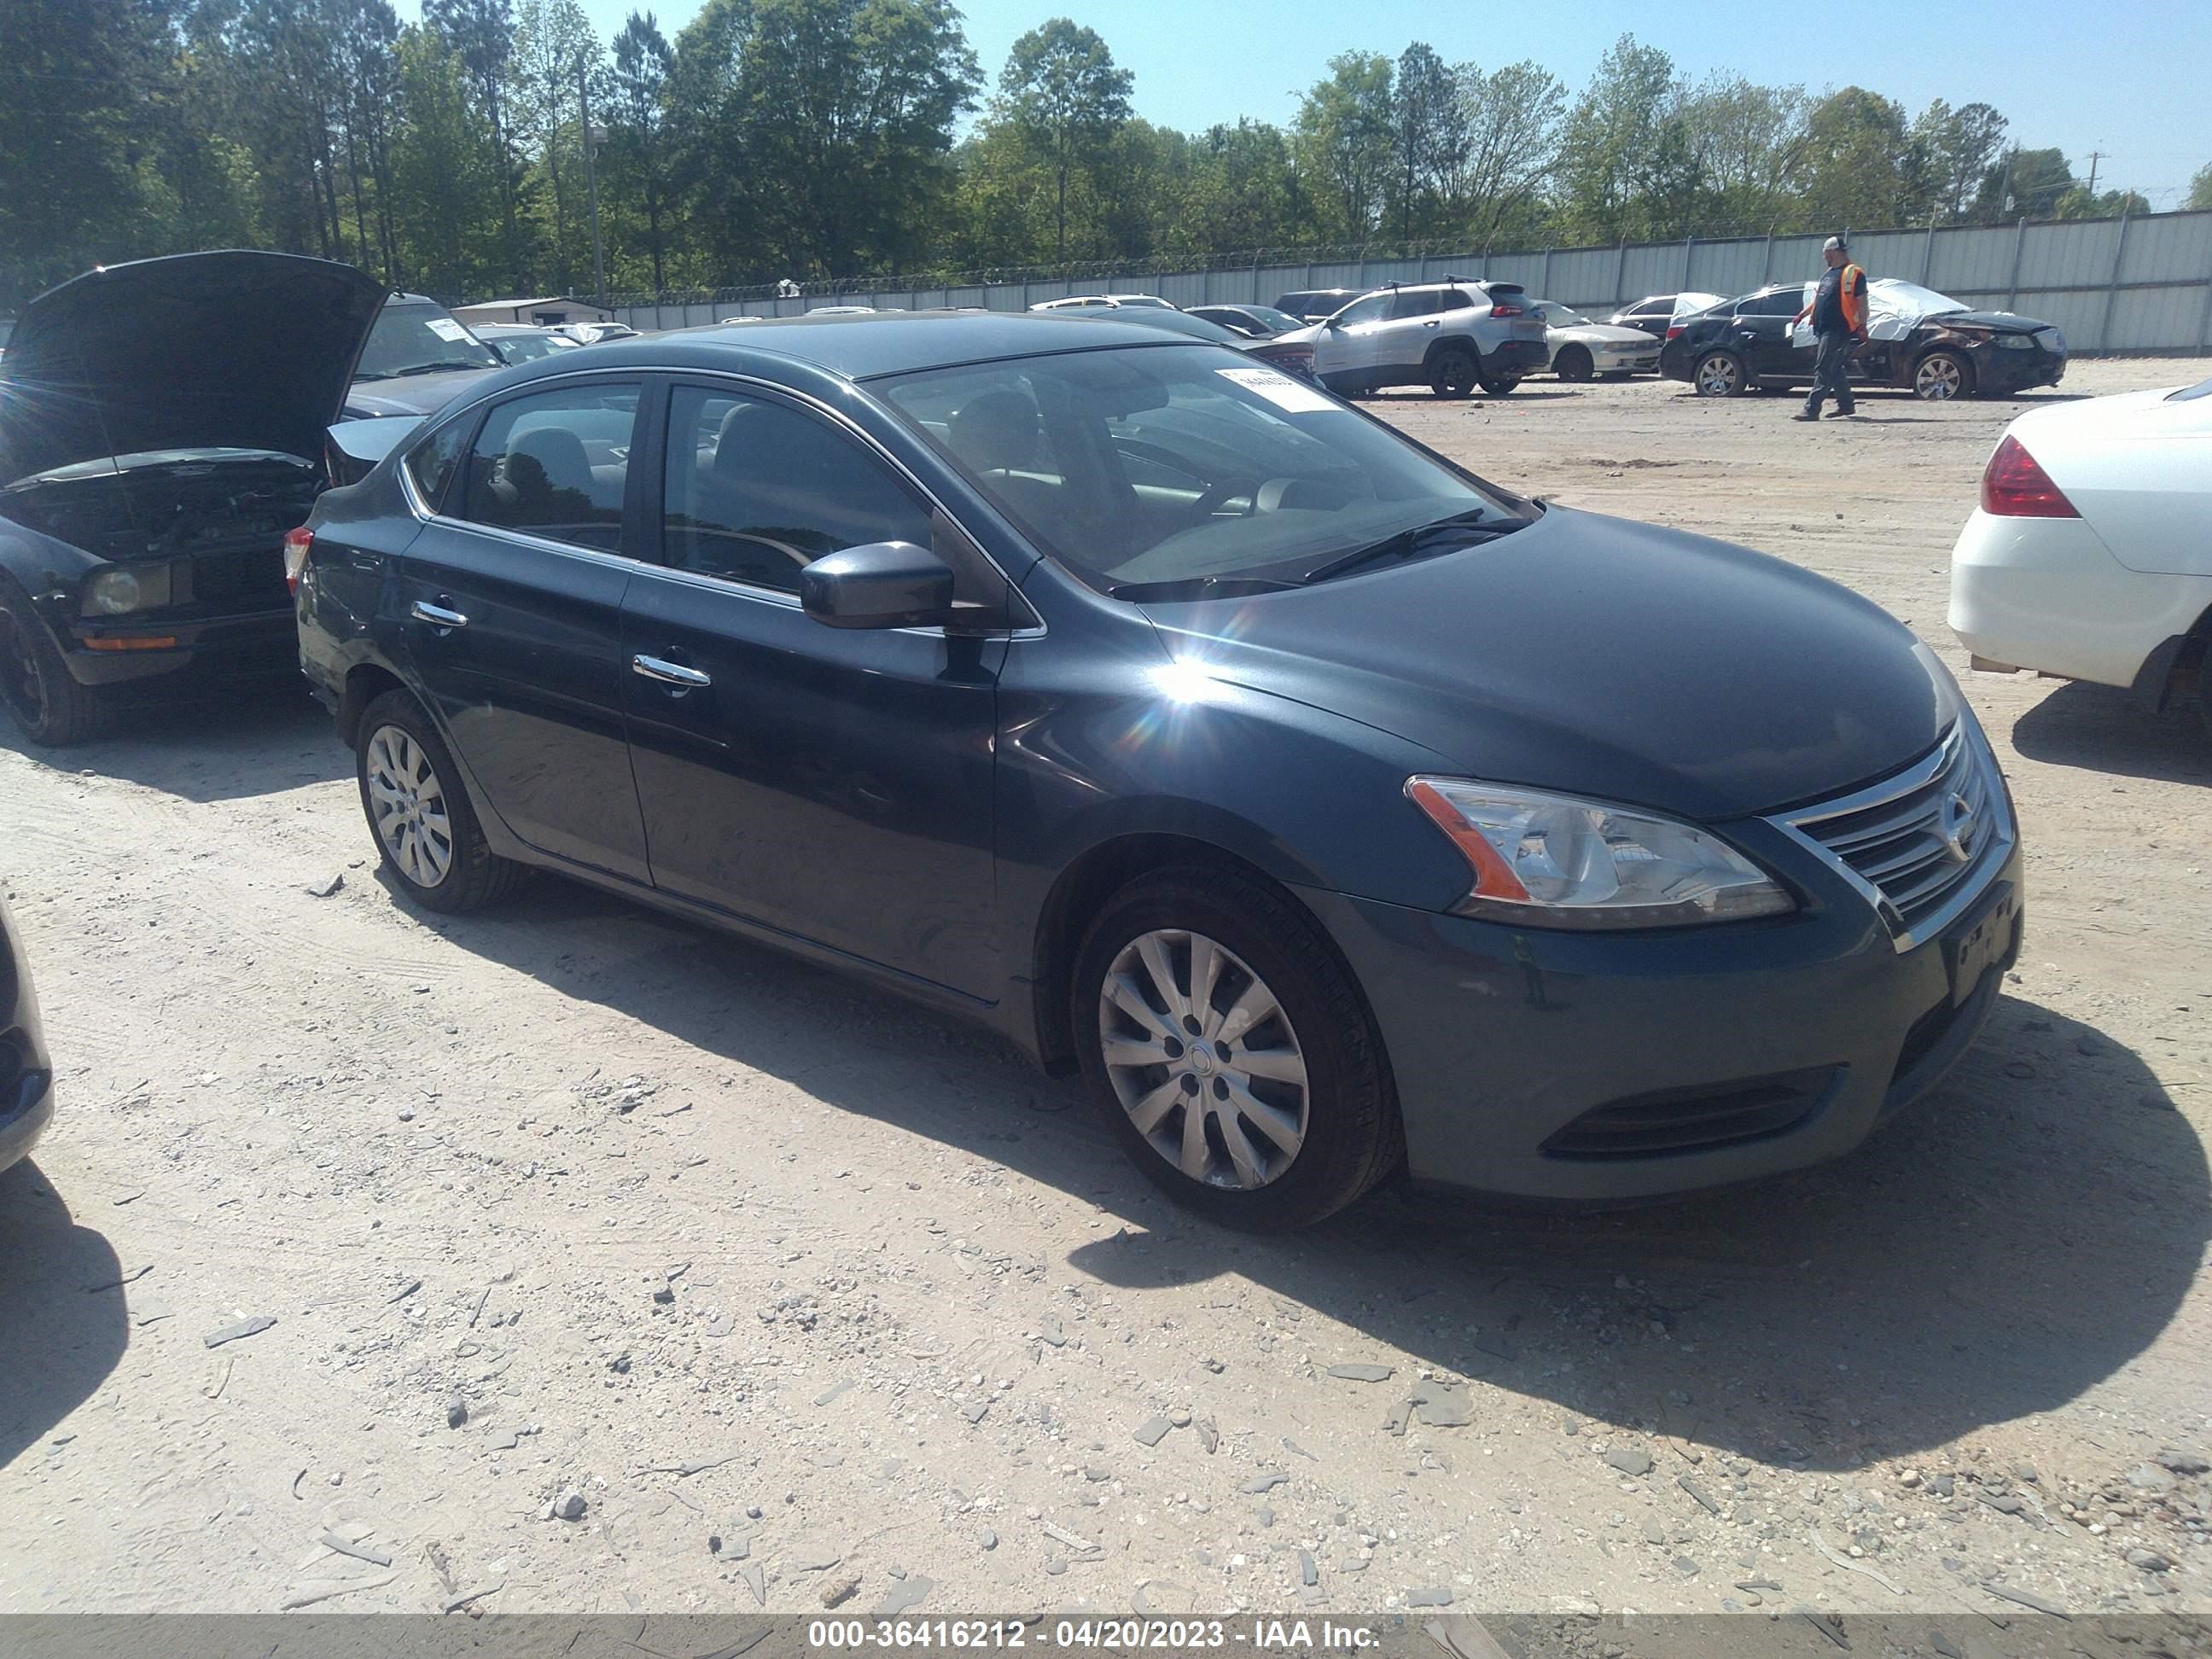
{"points": [[431, 463]]}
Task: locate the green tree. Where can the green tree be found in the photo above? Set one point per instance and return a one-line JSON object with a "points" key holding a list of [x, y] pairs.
{"points": [[554, 47], [2024, 184], [481, 33], [640, 148], [446, 197], [1862, 166], [1746, 140], [1500, 144], [1423, 100], [1961, 146], [1343, 128], [1061, 95], [2200, 189], [1625, 167], [1236, 192]]}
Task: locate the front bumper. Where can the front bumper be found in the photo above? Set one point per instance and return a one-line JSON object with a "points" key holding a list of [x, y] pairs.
{"points": [[25, 1115], [1506, 1044], [2001, 372], [152, 646], [2048, 594]]}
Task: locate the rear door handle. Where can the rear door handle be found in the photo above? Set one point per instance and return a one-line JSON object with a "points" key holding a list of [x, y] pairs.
{"points": [[437, 615], [670, 673]]}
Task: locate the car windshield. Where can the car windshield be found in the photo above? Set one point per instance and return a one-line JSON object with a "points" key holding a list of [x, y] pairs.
{"points": [[419, 339], [528, 348], [1181, 471], [2189, 393], [1281, 321], [1179, 322], [1559, 316]]}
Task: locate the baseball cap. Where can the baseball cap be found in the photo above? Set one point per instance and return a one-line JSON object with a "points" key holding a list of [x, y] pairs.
{"points": [[1834, 245]]}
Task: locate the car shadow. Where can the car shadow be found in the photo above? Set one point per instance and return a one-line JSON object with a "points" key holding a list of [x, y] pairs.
{"points": [[2015, 1240], [272, 738], [62, 1334], [2100, 728]]}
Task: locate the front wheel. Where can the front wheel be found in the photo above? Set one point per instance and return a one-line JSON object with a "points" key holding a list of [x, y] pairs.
{"points": [[1573, 363], [426, 830], [1453, 372], [1718, 374], [1941, 376], [35, 684], [1231, 1050]]}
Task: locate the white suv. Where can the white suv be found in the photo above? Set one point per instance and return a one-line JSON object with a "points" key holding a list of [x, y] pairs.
{"points": [[1450, 336], [1103, 302]]}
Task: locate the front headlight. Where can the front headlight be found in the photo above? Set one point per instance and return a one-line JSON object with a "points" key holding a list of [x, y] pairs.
{"points": [[119, 590], [2015, 342], [1546, 861]]}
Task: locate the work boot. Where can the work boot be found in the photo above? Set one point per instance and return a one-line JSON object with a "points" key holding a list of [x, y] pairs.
{"points": [[1805, 415], [1841, 414]]}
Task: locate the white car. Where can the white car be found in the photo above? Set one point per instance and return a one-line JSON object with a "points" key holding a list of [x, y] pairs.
{"points": [[1103, 303], [1582, 349], [2090, 556]]}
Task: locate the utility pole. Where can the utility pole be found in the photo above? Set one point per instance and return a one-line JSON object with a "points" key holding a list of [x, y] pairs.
{"points": [[2096, 156], [592, 183]]}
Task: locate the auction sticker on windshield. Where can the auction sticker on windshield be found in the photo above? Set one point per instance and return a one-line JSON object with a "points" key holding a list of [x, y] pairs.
{"points": [[1279, 390], [446, 329]]}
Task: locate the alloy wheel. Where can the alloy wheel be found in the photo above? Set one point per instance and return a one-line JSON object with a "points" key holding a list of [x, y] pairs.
{"points": [[1203, 1058], [1938, 379], [1717, 375], [408, 802]]}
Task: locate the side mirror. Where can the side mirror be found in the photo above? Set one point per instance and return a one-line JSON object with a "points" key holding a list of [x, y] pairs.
{"points": [[1333, 325], [877, 584]]}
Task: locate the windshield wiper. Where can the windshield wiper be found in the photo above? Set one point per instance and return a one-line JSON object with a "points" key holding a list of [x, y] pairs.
{"points": [[446, 368], [1199, 588], [1407, 544]]}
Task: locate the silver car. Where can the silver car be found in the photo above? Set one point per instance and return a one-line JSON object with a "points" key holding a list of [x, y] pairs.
{"points": [[1450, 336], [1582, 349]]}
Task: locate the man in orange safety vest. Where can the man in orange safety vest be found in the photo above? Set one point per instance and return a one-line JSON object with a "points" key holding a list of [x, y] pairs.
{"points": [[1838, 311]]}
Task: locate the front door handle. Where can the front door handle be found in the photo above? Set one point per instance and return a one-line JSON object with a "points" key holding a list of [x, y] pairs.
{"points": [[1428, 325], [670, 673], [437, 615]]}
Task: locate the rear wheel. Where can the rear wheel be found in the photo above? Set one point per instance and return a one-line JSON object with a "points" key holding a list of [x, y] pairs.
{"points": [[1941, 376], [426, 830], [1499, 386], [1718, 374], [35, 684], [1452, 371], [1573, 363], [1231, 1050]]}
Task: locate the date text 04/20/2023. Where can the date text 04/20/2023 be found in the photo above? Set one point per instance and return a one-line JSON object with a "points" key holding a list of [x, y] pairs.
{"points": [[1259, 1635]]}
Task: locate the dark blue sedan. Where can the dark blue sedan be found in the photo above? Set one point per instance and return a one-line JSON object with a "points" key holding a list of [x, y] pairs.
{"points": [[1335, 811]]}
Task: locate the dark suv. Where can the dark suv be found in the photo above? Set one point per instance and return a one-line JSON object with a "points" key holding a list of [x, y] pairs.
{"points": [[1332, 811]]}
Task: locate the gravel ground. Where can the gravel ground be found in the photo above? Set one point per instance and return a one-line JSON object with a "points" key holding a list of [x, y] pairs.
{"points": [[604, 1265]]}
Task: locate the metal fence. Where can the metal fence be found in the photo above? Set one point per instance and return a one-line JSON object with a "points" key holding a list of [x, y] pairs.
{"points": [[2141, 283]]}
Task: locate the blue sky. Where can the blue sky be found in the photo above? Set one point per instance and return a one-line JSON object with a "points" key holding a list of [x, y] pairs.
{"points": [[2123, 77]]}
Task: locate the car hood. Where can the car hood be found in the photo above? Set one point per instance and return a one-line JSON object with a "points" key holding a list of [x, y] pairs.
{"points": [[409, 394], [1305, 336], [1598, 656], [2002, 322], [228, 351]]}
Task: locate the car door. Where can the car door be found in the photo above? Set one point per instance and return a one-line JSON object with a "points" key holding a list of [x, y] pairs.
{"points": [[1350, 342], [831, 784], [1761, 334], [508, 607], [1409, 329]]}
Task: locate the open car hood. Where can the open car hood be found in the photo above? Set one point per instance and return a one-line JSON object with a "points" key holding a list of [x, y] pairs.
{"points": [[228, 350]]}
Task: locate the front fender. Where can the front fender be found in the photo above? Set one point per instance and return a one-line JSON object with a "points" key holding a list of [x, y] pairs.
{"points": [[50, 571]]}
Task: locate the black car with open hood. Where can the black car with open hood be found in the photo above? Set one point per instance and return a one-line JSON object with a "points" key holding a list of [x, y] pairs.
{"points": [[162, 426]]}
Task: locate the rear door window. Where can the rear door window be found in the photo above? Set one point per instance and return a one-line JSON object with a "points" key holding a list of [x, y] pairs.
{"points": [[556, 464], [1422, 302]]}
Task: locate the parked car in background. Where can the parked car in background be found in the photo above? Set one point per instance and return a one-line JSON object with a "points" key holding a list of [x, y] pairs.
{"points": [[521, 343], [1654, 313], [418, 354], [1450, 337], [1258, 322], [1582, 349], [727, 622], [841, 311], [1292, 355], [2086, 557], [1317, 304], [1919, 340], [26, 1075], [1104, 302], [158, 436], [596, 333]]}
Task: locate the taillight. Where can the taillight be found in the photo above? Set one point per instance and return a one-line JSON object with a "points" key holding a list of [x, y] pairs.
{"points": [[2015, 486], [297, 545], [1505, 311], [1676, 331]]}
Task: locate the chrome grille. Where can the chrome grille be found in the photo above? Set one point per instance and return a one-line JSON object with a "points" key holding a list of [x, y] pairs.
{"points": [[1923, 844]]}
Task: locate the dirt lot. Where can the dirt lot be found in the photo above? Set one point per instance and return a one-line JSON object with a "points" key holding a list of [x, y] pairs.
{"points": [[735, 1251]]}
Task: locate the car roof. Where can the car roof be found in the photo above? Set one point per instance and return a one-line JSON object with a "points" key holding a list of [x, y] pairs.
{"points": [[857, 348]]}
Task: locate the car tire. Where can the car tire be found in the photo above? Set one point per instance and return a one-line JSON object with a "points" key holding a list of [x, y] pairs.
{"points": [[436, 854], [1500, 385], [36, 688], [1941, 376], [1452, 371], [1574, 363], [1324, 1058], [1347, 387], [1718, 374]]}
